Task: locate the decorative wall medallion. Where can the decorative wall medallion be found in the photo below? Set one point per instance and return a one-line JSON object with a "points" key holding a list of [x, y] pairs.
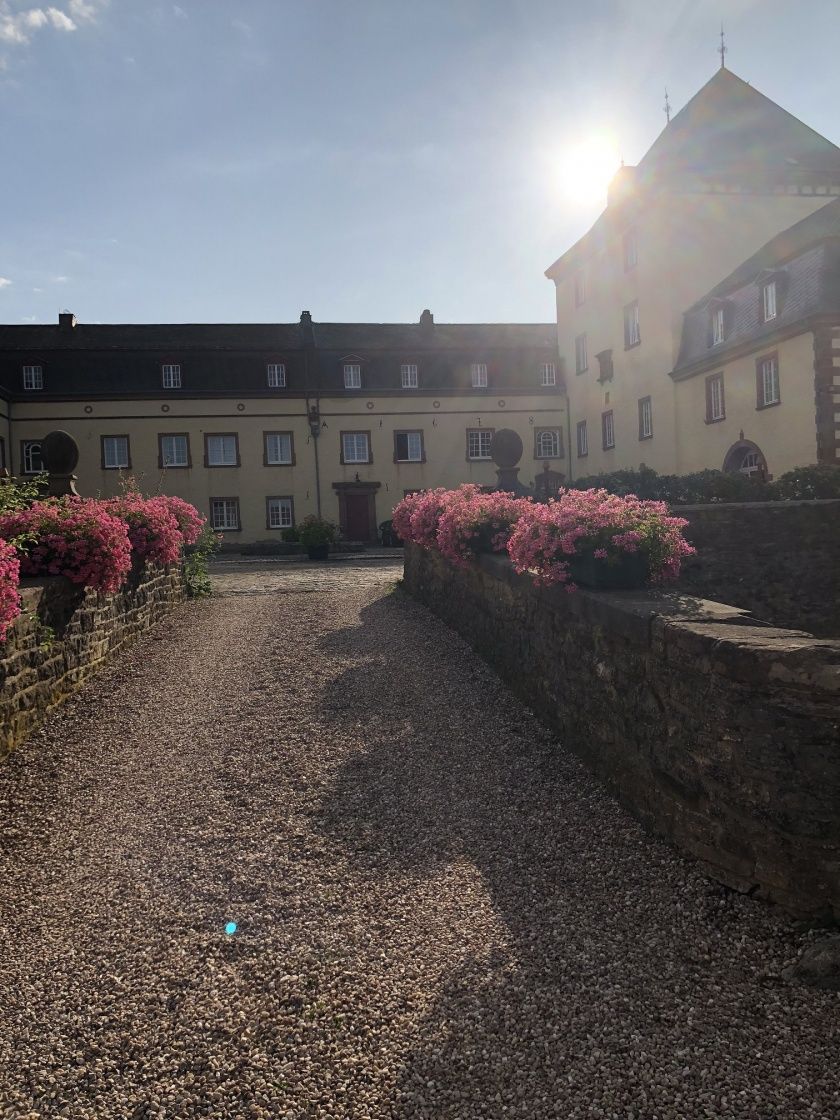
{"points": [[435, 404], [88, 408], [369, 404], [164, 408], [501, 404], [240, 408]]}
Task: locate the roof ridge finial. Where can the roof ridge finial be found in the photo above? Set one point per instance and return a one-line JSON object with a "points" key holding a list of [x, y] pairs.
{"points": [[722, 49], [667, 107]]}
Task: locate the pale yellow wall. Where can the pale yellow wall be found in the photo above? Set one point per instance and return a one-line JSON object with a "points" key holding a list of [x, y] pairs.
{"points": [[686, 245], [444, 430], [786, 432]]}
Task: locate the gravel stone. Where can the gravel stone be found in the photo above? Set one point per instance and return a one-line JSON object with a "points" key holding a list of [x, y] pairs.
{"points": [[439, 913]]}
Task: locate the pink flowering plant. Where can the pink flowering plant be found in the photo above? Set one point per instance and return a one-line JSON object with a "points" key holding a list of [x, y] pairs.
{"points": [[9, 580], [153, 529], [416, 517], [593, 523], [190, 522], [78, 538], [475, 522]]}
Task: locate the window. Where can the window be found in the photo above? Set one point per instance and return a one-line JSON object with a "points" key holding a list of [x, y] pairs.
{"points": [[33, 378], [479, 375], [768, 381], [224, 514], [115, 454], [580, 289], [352, 375], [279, 513], [30, 456], [548, 374], [171, 376], [278, 450], [479, 441], [581, 357], [408, 376], [221, 450], [607, 430], [768, 296], [355, 447], [548, 443], [717, 326], [582, 439], [715, 405], [605, 365], [630, 250], [174, 450], [276, 373], [632, 336], [408, 447], [645, 418]]}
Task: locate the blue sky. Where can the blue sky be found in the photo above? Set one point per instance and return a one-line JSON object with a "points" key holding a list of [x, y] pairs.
{"points": [[239, 161]]}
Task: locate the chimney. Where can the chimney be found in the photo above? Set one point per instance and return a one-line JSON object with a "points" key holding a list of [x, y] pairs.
{"points": [[307, 333], [427, 320], [66, 320]]}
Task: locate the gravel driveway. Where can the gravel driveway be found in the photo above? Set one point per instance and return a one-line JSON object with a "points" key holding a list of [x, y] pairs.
{"points": [[439, 914]]}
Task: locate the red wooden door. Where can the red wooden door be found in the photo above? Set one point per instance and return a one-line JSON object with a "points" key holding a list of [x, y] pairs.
{"points": [[357, 517]]}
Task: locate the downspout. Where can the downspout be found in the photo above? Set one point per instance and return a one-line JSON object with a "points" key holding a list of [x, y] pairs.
{"points": [[313, 412]]}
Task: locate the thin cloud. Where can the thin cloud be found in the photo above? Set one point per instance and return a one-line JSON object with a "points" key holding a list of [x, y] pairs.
{"points": [[60, 20], [59, 279], [179, 12], [4, 283], [29, 318], [18, 26]]}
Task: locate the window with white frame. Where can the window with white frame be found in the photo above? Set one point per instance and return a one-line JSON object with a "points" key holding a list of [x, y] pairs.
{"points": [[581, 355], [632, 335], [276, 374], [280, 514], [221, 450], [408, 447], [548, 374], [352, 375], [408, 375], [278, 449], [645, 418], [224, 514], [768, 295], [715, 404], [479, 375], [607, 430], [30, 456], [630, 250], [479, 441], [548, 443], [33, 378], [580, 289], [171, 376], [175, 450], [768, 381], [717, 326], [115, 453], [582, 439], [355, 447]]}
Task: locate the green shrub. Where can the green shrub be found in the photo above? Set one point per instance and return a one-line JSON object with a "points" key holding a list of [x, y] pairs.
{"points": [[21, 493], [315, 531], [290, 535], [699, 488], [806, 483], [196, 559]]}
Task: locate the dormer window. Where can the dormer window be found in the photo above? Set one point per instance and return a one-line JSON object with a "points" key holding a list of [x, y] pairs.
{"points": [[718, 332], [768, 301], [276, 374], [548, 374], [33, 378], [408, 375], [171, 376], [352, 375], [479, 375]]}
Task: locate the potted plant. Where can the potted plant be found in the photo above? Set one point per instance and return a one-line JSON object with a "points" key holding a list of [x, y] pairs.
{"points": [[316, 535]]}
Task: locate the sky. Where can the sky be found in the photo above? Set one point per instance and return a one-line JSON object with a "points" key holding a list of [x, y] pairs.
{"points": [[241, 160]]}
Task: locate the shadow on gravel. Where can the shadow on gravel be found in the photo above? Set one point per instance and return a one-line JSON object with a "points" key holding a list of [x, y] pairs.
{"points": [[585, 944]]}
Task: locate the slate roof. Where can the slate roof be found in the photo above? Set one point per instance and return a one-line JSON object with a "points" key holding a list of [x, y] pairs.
{"points": [[806, 261], [230, 359]]}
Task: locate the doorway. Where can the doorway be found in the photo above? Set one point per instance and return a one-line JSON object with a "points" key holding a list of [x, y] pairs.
{"points": [[357, 510]]}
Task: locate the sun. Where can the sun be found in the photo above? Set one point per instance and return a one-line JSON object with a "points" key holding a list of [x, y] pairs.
{"points": [[586, 167]]}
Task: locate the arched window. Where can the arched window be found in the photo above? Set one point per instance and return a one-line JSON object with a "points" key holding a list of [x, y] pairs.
{"points": [[746, 458]]}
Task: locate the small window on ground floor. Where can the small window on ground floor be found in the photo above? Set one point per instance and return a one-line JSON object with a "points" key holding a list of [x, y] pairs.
{"points": [[30, 457], [115, 453], [224, 514], [479, 441], [408, 447], [279, 513]]}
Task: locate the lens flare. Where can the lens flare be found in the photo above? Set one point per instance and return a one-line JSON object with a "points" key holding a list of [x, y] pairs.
{"points": [[586, 167]]}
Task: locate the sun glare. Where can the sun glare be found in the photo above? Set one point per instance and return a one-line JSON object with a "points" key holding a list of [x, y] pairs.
{"points": [[586, 168]]}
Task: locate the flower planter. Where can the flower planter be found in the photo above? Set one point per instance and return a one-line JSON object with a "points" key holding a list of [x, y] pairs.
{"points": [[626, 574], [318, 551]]}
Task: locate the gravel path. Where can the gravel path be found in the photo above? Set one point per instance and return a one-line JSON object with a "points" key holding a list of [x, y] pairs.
{"points": [[439, 915]]}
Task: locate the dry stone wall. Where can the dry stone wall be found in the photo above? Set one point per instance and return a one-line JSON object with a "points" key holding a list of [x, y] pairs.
{"points": [[64, 634], [719, 733]]}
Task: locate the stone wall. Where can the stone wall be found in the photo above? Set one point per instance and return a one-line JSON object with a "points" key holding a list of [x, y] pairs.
{"points": [[64, 633], [719, 733], [780, 560]]}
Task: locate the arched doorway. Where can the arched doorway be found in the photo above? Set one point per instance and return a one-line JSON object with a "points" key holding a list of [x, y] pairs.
{"points": [[746, 457]]}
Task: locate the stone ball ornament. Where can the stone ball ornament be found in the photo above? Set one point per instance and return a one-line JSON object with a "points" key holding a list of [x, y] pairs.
{"points": [[506, 448], [59, 453]]}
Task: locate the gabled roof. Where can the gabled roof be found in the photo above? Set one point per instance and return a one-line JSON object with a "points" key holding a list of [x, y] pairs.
{"points": [[729, 127]]}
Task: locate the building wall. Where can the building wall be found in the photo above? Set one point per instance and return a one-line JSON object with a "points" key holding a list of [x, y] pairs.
{"points": [[686, 244], [444, 421], [786, 432]]}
